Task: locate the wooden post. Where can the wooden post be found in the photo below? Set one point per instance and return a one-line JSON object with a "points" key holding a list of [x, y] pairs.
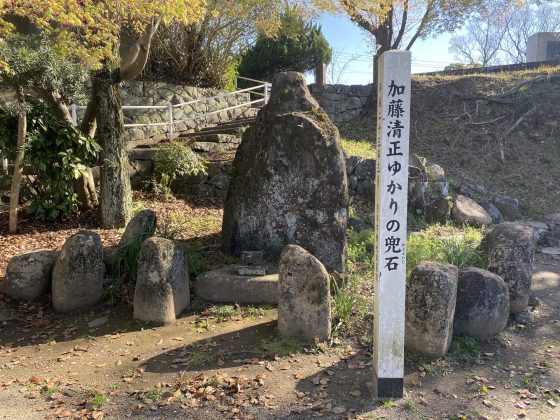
{"points": [[393, 123], [18, 170], [321, 74]]}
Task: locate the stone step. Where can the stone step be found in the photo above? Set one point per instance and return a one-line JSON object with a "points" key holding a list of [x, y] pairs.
{"points": [[214, 138], [212, 147], [239, 122], [226, 286]]}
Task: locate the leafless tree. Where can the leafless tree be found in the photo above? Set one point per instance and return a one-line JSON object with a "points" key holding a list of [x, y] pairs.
{"points": [[339, 66], [525, 22], [497, 33]]}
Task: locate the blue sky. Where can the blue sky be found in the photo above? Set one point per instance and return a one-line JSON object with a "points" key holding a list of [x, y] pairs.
{"points": [[345, 37]]}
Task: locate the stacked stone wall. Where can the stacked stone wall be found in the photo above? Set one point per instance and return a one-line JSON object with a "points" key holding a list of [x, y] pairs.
{"points": [[140, 93], [343, 103]]}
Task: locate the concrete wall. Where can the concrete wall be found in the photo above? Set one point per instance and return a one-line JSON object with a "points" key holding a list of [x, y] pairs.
{"points": [[343, 103], [537, 46]]}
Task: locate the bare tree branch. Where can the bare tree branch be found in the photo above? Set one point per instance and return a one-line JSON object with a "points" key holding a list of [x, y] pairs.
{"points": [[402, 29], [135, 57]]}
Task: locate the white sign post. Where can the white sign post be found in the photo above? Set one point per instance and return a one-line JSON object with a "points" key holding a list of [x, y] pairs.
{"points": [[391, 191]]}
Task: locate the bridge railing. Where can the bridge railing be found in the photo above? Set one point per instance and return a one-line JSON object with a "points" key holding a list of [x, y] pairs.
{"points": [[261, 90]]}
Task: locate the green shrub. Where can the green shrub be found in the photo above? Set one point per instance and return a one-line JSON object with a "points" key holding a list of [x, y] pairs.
{"points": [[58, 153], [173, 161], [446, 245]]}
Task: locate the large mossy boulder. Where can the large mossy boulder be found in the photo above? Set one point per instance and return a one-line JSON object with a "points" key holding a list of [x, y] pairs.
{"points": [[511, 250], [289, 181], [77, 278]]}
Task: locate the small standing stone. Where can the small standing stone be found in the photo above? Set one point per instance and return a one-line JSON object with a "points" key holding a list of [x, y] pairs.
{"points": [[304, 310], [142, 226], [77, 279], [510, 255], [252, 258], [28, 276], [162, 286], [430, 304], [482, 308]]}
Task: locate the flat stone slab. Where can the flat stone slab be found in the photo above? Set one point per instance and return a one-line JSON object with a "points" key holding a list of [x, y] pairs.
{"points": [[550, 251], [250, 270], [226, 286]]}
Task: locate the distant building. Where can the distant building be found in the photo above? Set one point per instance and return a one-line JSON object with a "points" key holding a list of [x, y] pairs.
{"points": [[543, 46]]}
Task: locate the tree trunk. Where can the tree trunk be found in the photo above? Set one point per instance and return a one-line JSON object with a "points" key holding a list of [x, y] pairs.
{"points": [[18, 173], [116, 194], [84, 187]]}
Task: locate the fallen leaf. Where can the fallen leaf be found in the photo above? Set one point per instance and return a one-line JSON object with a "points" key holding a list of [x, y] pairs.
{"points": [[36, 379]]}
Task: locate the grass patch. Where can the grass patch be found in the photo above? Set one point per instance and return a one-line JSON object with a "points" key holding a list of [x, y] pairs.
{"points": [[361, 246], [409, 405], [447, 245], [48, 392], [126, 258], [152, 395], [99, 400], [387, 403], [362, 148], [346, 301], [464, 349], [282, 346], [195, 263], [198, 359], [224, 312]]}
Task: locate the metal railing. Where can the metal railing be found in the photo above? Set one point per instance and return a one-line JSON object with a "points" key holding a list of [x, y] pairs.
{"points": [[171, 122]]}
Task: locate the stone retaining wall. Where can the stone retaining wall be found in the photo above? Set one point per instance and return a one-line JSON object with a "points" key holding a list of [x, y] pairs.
{"points": [[156, 93], [343, 103], [361, 176], [215, 183]]}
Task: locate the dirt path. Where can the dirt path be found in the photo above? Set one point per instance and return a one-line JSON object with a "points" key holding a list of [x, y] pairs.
{"points": [[59, 367]]}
